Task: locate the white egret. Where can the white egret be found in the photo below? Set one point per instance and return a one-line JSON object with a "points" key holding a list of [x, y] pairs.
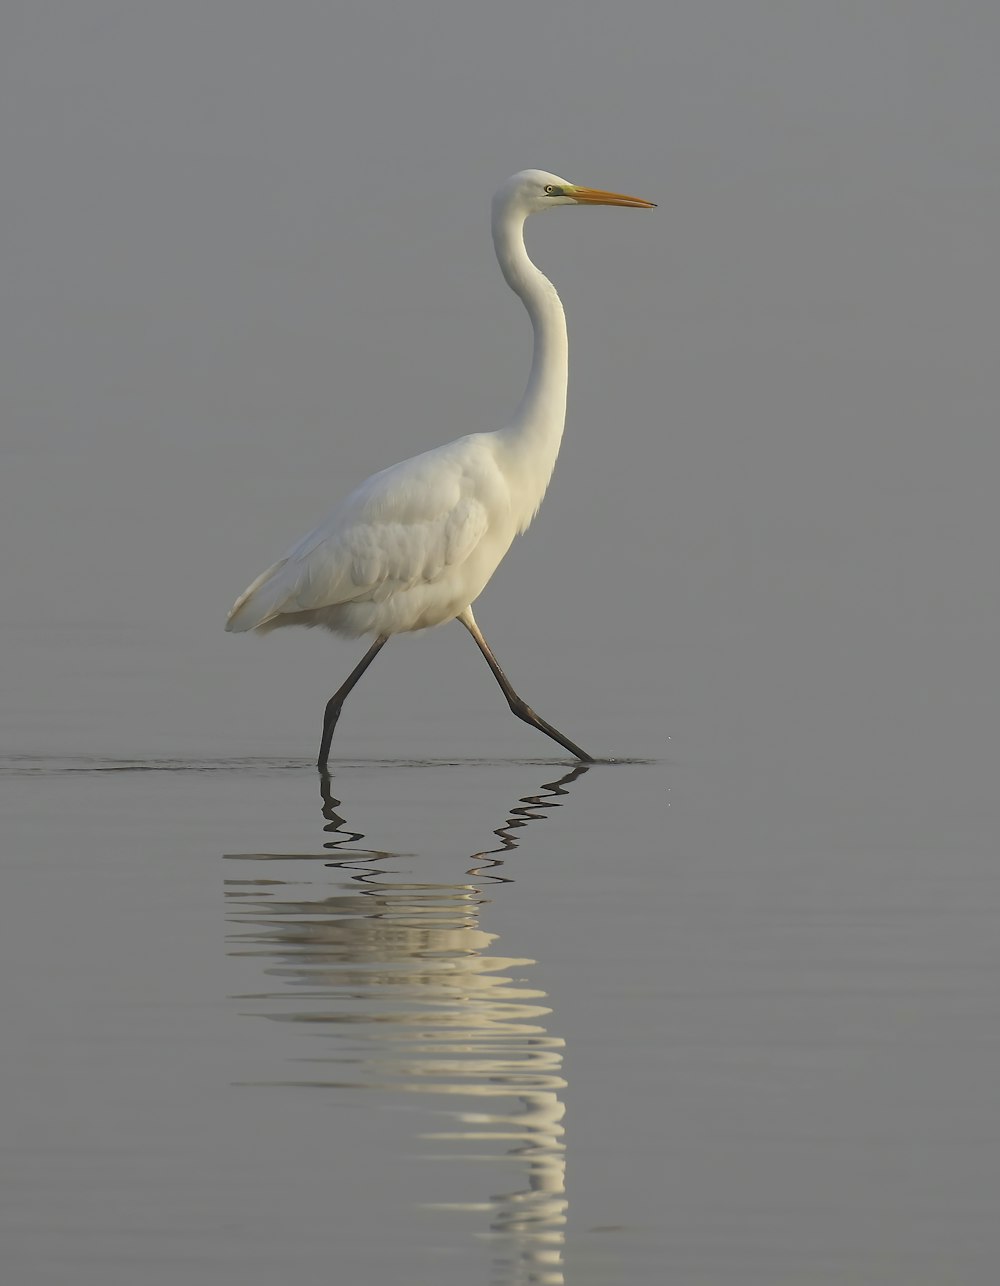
{"points": [[416, 544]]}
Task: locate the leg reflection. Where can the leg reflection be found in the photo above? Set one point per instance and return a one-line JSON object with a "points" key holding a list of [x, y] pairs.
{"points": [[411, 996]]}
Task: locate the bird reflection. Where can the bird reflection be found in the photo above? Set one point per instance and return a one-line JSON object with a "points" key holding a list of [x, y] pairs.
{"points": [[408, 982]]}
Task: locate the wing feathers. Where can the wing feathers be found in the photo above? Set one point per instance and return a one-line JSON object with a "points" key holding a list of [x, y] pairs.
{"points": [[405, 526], [258, 602]]}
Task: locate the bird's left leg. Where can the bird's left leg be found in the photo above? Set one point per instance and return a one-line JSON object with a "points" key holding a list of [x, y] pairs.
{"points": [[517, 705], [337, 700]]}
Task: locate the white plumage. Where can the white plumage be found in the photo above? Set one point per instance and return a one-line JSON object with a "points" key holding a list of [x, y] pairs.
{"points": [[408, 549], [415, 545]]}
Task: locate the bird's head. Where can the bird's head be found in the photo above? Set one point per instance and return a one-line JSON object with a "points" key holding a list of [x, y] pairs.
{"points": [[533, 190]]}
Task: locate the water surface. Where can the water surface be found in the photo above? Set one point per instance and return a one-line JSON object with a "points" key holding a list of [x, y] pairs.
{"points": [[504, 1021]]}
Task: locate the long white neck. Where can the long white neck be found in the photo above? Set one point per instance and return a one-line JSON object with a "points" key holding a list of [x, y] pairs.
{"points": [[533, 437]]}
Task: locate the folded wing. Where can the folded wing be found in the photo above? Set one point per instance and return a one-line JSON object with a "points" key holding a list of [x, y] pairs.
{"points": [[409, 525]]}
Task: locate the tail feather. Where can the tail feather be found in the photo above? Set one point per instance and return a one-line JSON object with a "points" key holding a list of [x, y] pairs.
{"points": [[260, 602]]}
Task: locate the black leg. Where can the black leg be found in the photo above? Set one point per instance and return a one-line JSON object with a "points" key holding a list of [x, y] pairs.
{"points": [[337, 700], [518, 707]]}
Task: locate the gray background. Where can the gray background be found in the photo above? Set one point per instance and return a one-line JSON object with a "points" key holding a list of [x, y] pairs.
{"points": [[245, 262]]}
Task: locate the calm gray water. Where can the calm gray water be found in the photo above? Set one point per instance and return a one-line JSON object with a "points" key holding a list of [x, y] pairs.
{"points": [[444, 1022]]}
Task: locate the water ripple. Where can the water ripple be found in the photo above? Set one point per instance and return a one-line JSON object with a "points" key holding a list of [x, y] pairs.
{"points": [[34, 765]]}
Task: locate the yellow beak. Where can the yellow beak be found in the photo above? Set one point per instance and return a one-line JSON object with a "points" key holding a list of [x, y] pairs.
{"points": [[594, 196]]}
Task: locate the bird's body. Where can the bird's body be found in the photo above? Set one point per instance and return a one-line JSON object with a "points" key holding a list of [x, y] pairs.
{"points": [[415, 545], [409, 549]]}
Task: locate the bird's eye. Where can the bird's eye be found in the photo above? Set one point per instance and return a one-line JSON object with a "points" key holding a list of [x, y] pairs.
{"points": [[549, 189]]}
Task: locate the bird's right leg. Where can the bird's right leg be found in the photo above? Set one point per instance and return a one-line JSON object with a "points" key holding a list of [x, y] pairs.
{"points": [[517, 704], [333, 706]]}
